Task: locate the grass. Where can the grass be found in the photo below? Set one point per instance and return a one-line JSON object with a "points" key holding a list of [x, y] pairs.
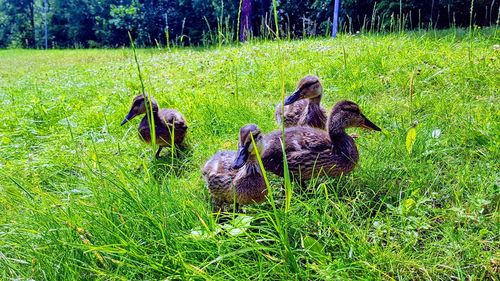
{"points": [[82, 198]]}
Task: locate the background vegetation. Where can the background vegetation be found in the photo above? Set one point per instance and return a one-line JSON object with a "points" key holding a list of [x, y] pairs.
{"points": [[82, 198], [104, 23]]}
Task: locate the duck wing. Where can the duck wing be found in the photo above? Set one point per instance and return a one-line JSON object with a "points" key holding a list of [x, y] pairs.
{"points": [[172, 117], [306, 139], [292, 113], [171, 121], [302, 145], [217, 171]]}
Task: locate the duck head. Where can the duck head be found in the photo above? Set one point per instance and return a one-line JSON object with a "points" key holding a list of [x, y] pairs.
{"points": [[309, 87], [139, 107], [346, 114], [245, 146]]}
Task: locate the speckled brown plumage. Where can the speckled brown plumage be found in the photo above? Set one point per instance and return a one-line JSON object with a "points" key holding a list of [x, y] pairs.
{"points": [[219, 176], [302, 107], [311, 151], [168, 123], [236, 175]]}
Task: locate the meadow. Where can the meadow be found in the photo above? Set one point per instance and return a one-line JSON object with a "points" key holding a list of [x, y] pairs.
{"points": [[83, 198]]}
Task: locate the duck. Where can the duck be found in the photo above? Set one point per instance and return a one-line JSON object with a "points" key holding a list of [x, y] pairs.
{"points": [[312, 151], [302, 107], [167, 122], [235, 176]]}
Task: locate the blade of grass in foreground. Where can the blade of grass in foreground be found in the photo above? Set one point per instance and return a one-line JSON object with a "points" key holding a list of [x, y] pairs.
{"points": [[289, 257], [276, 221], [286, 174], [149, 107]]}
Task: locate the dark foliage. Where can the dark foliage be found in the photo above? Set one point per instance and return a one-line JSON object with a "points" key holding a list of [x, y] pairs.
{"points": [[105, 23]]}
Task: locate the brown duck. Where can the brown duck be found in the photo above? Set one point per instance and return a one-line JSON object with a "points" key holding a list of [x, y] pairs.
{"points": [[238, 169], [311, 151], [168, 123], [302, 107]]}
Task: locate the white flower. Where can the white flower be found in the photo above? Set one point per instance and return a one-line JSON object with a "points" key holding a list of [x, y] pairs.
{"points": [[436, 133]]}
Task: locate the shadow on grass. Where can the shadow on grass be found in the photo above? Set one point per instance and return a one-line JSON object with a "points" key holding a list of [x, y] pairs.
{"points": [[174, 163]]}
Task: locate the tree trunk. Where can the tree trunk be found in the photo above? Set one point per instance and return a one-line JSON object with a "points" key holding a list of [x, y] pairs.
{"points": [[432, 11], [31, 7], [246, 19], [491, 10], [45, 10]]}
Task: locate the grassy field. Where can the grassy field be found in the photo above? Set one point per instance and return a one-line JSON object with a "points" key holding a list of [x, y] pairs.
{"points": [[83, 198]]}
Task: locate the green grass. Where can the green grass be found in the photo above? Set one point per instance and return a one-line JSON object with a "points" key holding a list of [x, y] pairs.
{"points": [[82, 198]]}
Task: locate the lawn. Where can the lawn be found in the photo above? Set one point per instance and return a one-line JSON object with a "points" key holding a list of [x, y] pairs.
{"points": [[82, 197]]}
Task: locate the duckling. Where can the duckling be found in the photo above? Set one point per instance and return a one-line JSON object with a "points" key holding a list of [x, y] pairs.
{"points": [[239, 169], [302, 107], [312, 151], [166, 121]]}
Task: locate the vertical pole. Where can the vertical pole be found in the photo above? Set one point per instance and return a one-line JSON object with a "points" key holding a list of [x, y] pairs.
{"points": [[45, 8], [335, 18]]}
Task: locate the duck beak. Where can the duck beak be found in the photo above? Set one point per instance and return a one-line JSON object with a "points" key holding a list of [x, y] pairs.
{"points": [[295, 96], [129, 116], [241, 157], [367, 124]]}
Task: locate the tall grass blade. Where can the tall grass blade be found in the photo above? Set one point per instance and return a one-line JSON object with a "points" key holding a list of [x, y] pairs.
{"points": [[149, 108], [289, 256], [238, 23], [275, 11]]}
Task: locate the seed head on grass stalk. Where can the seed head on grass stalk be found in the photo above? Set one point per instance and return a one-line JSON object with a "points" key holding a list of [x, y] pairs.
{"points": [[149, 108], [238, 22]]}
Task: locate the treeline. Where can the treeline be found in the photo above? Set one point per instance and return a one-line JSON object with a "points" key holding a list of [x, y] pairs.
{"points": [[106, 23]]}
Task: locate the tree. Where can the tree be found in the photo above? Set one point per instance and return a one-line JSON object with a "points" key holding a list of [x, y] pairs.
{"points": [[89, 23], [22, 21], [246, 19]]}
